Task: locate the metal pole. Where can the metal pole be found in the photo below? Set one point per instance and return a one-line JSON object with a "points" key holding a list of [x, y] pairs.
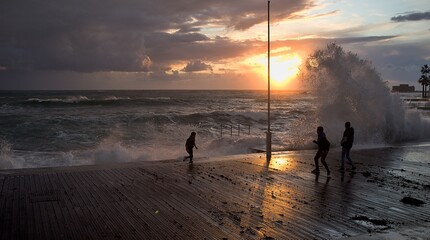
{"points": [[268, 134], [238, 129]]}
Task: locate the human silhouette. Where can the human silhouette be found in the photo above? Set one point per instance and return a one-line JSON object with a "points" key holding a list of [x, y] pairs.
{"points": [[189, 145], [323, 148], [346, 143]]}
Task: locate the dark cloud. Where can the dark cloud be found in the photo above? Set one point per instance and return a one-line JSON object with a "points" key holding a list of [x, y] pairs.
{"points": [[164, 50], [188, 29], [111, 35], [304, 46], [197, 66], [321, 15], [364, 39], [412, 17]]}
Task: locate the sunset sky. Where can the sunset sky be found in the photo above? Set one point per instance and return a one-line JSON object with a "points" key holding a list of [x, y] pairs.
{"points": [[201, 44]]}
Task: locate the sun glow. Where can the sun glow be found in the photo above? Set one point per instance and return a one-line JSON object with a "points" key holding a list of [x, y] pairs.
{"points": [[282, 68]]}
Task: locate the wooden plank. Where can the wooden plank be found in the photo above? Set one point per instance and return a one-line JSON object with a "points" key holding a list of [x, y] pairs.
{"points": [[240, 198], [23, 214], [64, 231], [38, 221], [76, 229], [109, 186], [103, 225], [49, 197], [44, 216], [14, 223], [160, 208], [4, 208], [81, 206], [29, 211]]}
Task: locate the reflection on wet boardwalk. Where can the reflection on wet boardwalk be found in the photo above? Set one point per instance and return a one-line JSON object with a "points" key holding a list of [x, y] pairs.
{"points": [[238, 198]]}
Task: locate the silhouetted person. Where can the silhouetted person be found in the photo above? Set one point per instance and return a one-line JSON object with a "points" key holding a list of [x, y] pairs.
{"points": [[189, 145], [323, 148], [346, 143]]}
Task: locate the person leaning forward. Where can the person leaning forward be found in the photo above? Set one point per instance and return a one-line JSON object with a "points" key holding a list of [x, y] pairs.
{"points": [[189, 145], [323, 148]]}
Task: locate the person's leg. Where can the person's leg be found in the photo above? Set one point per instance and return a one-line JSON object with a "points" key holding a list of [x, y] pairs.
{"points": [[349, 158], [342, 159], [191, 155], [317, 156], [323, 156], [188, 151]]}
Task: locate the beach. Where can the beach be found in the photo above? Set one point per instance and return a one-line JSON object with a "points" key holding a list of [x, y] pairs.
{"points": [[230, 197]]}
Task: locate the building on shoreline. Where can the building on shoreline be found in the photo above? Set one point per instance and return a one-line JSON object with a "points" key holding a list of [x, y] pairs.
{"points": [[403, 88]]}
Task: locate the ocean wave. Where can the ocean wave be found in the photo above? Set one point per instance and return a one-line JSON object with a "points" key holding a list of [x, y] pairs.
{"points": [[112, 149], [227, 116], [159, 98], [7, 158], [77, 99], [72, 101], [6, 108], [348, 88], [114, 98], [105, 100]]}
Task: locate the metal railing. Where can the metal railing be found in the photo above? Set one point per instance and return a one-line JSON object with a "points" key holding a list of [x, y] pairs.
{"points": [[241, 128]]}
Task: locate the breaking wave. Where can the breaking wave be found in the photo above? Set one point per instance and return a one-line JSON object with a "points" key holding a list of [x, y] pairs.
{"points": [[348, 88]]}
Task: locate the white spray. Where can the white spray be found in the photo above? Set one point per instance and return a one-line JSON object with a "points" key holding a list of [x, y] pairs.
{"points": [[348, 88]]}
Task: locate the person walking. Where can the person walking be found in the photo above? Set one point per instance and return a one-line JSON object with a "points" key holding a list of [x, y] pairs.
{"points": [[346, 143], [323, 148], [189, 145]]}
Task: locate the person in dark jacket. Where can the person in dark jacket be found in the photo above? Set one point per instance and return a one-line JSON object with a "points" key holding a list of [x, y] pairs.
{"points": [[346, 143], [189, 145], [323, 148]]}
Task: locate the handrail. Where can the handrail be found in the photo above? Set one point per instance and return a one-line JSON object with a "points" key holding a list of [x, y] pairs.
{"points": [[238, 128]]}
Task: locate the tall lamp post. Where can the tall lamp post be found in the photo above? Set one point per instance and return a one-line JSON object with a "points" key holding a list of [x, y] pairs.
{"points": [[268, 133]]}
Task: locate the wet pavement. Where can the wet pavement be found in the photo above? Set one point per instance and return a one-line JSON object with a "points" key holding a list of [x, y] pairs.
{"points": [[234, 197]]}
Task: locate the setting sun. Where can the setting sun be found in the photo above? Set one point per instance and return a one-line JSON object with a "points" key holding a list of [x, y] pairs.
{"points": [[282, 68]]}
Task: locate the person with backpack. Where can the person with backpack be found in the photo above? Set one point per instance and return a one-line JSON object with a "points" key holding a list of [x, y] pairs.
{"points": [[323, 148], [346, 143]]}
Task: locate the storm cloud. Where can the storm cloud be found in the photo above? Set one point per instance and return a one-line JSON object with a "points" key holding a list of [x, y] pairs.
{"points": [[196, 66], [412, 17], [130, 44], [129, 36]]}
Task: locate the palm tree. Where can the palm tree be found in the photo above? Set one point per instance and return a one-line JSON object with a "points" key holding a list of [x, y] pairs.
{"points": [[426, 85], [425, 79], [422, 82]]}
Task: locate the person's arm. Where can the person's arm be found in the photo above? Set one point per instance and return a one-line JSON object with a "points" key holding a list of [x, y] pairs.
{"points": [[195, 145], [318, 140]]}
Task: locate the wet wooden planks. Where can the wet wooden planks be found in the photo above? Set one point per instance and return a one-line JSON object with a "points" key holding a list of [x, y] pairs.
{"points": [[241, 198]]}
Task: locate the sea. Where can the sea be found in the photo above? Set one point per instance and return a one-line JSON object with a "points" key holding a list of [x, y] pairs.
{"points": [[63, 128], [66, 128]]}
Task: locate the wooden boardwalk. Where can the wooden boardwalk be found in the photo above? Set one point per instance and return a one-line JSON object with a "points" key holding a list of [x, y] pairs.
{"points": [[240, 197]]}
